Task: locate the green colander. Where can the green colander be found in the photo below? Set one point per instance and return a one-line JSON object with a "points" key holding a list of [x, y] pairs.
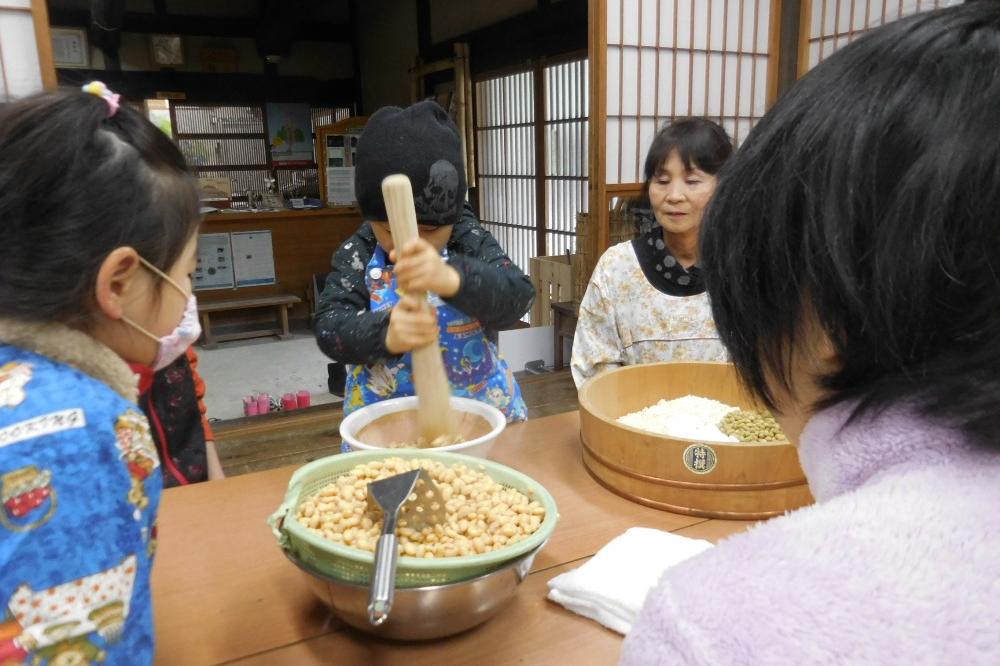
{"points": [[355, 566]]}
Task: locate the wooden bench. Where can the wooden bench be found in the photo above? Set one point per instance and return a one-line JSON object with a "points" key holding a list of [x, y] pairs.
{"points": [[281, 303]]}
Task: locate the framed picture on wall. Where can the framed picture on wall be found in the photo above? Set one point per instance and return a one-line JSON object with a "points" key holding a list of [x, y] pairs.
{"points": [[70, 48], [166, 50], [289, 131]]}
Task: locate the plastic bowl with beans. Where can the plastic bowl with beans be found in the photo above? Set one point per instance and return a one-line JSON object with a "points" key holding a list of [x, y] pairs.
{"points": [[353, 563]]}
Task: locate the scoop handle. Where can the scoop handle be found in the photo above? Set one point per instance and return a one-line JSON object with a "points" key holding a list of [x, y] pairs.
{"points": [[434, 415], [383, 586]]}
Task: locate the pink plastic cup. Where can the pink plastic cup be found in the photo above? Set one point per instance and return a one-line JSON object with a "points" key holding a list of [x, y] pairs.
{"points": [[303, 399]]}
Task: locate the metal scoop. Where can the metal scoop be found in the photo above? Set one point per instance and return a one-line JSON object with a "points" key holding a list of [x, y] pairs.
{"points": [[412, 500]]}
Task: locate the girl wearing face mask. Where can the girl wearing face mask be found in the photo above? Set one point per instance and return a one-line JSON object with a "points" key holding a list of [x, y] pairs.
{"points": [[646, 301], [98, 234]]}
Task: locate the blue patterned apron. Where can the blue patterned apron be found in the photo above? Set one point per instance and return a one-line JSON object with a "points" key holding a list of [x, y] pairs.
{"points": [[473, 365]]}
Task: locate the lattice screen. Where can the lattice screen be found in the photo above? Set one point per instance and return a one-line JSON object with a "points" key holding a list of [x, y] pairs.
{"points": [[510, 122], [231, 142], [567, 102], [675, 58], [225, 142], [505, 129], [835, 23], [330, 116]]}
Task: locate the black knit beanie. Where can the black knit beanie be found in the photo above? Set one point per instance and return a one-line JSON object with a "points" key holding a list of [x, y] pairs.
{"points": [[420, 142]]}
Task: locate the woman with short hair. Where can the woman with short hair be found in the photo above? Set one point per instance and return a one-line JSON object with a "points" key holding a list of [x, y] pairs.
{"points": [[646, 300]]}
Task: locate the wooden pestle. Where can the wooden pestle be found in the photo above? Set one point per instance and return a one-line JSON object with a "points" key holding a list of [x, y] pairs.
{"points": [[434, 414]]}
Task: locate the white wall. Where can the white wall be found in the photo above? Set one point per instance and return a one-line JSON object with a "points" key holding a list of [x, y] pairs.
{"points": [[19, 51]]}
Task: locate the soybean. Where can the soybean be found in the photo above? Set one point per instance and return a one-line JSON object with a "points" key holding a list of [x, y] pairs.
{"points": [[481, 514]]}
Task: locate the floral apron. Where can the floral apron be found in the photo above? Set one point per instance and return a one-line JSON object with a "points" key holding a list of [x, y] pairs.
{"points": [[473, 365]]}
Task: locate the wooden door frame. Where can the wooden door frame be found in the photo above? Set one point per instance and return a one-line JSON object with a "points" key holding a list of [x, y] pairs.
{"points": [[597, 43], [43, 42], [805, 28]]}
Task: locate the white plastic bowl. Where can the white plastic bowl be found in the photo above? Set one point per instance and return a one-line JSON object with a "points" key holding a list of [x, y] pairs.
{"points": [[356, 421]]}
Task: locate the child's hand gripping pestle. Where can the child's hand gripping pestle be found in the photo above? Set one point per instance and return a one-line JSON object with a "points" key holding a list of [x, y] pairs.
{"points": [[434, 413]]}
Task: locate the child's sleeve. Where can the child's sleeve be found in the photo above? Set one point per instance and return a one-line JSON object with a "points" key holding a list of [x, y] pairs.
{"points": [[199, 393], [493, 289], [597, 345], [346, 329]]}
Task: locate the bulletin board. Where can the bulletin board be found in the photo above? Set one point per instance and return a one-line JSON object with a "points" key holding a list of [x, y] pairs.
{"points": [[215, 263]]}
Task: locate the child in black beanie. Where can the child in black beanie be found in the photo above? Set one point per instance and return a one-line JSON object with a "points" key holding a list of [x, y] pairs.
{"points": [[362, 319]]}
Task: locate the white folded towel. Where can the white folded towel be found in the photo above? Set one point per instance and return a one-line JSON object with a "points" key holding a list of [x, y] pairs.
{"points": [[612, 586]]}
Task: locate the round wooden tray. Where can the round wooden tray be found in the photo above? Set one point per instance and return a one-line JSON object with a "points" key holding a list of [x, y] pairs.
{"points": [[746, 481]]}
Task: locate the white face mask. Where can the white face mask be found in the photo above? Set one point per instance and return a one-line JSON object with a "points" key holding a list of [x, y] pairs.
{"points": [[185, 334]]}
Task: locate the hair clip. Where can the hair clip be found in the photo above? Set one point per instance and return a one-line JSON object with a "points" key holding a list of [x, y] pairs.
{"points": [[99, 89]]}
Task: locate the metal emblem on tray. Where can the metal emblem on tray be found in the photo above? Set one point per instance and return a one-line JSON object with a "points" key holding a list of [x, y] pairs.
{"points": [[700, 458]]}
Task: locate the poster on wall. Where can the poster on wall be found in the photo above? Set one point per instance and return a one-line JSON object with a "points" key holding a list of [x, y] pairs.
{"points": [[215, 263], [340, 186], [253, 258], [289, 130]]}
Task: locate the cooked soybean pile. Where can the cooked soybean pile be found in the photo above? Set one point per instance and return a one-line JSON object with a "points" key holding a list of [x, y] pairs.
{"points": [[482, 515], [752, 426]]}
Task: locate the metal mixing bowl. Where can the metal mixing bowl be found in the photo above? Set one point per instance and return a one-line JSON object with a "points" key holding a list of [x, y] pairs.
{"points": [[424, 613]]}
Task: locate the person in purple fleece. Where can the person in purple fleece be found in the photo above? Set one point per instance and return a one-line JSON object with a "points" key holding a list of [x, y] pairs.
{"points": [[852, 257]]}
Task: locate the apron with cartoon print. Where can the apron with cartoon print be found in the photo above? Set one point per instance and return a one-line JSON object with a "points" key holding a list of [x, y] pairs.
{"points": [[473, 365]]}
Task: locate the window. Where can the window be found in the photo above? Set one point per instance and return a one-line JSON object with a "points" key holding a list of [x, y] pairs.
{"points": [[529, 201], [231, 142], [506, 177], [567, 98]]}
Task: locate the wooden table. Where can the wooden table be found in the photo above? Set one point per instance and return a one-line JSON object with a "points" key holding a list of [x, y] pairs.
{"points": [[223, 592], [564, 317]]}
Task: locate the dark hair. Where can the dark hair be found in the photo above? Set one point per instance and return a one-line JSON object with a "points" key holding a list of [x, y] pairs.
{"points": [[699, 142], [868, 201], [76, 184]]}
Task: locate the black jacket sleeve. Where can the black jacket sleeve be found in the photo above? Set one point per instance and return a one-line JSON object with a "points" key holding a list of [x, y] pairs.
{"points": [[346, 329], [493, 289]]}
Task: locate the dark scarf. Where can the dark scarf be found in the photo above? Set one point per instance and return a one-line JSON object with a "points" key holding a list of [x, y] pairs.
{"points": [[660, 266]]}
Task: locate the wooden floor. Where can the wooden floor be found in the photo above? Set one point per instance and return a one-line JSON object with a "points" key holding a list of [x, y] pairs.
{"points": [[275, 440]]}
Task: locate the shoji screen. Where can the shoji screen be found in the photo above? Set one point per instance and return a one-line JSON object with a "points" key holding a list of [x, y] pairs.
{"points": [[672, 58], [833, 23], [25, 49], [507, 176], [565, 125], [531, 136]]}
